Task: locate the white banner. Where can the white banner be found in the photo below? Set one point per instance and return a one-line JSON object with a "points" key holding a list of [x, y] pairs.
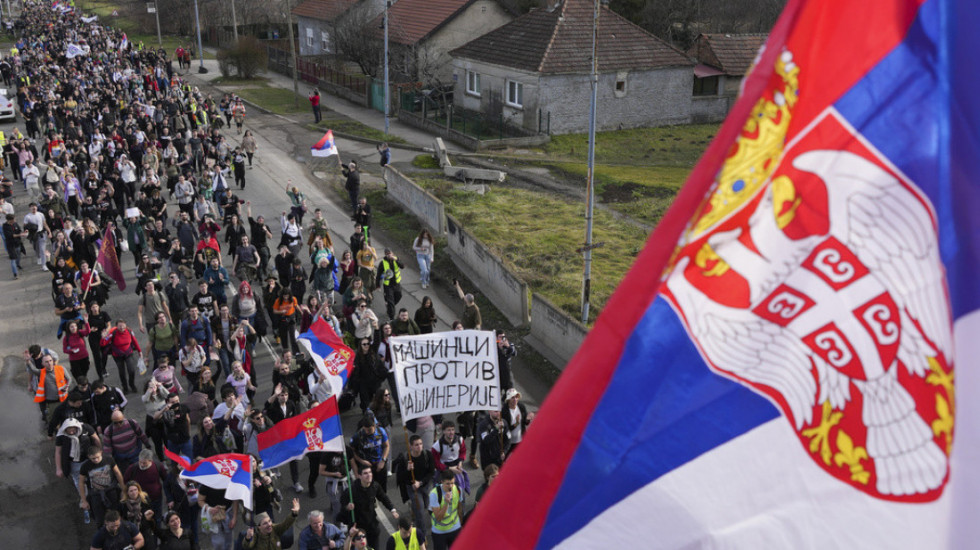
{"points": [[446, 372]]}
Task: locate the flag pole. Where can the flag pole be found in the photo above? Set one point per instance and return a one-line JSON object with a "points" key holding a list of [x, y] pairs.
{"points": [[350, 483], [415, 491]]}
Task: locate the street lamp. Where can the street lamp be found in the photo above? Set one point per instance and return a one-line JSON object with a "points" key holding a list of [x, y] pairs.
{"points": [[590, 182], [200, 47]]}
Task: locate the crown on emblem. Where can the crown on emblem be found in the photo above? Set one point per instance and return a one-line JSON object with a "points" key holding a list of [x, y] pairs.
{"points": [[756, 151], [309, 423]]}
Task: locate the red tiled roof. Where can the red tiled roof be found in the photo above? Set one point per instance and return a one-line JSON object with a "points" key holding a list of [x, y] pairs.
{"points": [[323, 10], [559, 41], [731, 53], [411, 21]]}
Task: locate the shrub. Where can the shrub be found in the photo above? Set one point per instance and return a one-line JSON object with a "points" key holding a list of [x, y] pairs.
{"points": [[248, 56]]}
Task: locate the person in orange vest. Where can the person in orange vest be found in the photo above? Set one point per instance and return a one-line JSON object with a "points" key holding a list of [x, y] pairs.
{"points": [[52, 385]]}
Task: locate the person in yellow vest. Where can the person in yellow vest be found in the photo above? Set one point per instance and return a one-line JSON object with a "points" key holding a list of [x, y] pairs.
{"points": [[52, 385], [405, 538], [390, 275], [444, 503]]}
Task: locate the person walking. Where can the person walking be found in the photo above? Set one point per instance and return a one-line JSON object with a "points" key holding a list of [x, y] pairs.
{"points": [[125, 350], [249, 146], [353, 183], [52, 385], [390, 276], [425, 251]]}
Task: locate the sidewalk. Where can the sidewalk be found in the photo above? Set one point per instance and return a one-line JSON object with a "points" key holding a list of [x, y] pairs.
{"points": [[365, 115]]}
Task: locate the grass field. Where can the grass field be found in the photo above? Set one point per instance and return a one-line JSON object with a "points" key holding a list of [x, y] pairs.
{"points": [[638, 172], [539, 234], [274, 99]]}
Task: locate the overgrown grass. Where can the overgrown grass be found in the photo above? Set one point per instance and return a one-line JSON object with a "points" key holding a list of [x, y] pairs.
{"points": [[425, 161], [641, 192], [670, 145], [539, 234]]}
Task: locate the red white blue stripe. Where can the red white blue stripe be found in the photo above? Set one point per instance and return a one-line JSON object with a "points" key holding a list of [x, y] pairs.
{"points": [[325, 147], [316, 430], [330, 356], [231, 472]]}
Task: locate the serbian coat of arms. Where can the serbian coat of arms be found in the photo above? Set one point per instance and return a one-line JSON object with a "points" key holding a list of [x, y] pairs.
{"points": [[811, 274]]}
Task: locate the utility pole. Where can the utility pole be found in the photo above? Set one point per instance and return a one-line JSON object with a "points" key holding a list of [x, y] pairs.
{"points": [[590, 182], [156, 12], [292, 47], [387, 101], [200, 46], [234, 21]]}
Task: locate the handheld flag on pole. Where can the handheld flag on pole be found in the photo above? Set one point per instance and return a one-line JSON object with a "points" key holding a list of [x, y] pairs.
{"points": [[231, 472], [776, 369], [108, 259], [318, 429], [325, 147], [332, 358], [74, 50]]}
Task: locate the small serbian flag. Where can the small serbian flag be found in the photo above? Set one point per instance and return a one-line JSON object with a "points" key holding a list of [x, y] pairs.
{"points": [[332, 358], [231, 472], [318, 429], [325, 147]]}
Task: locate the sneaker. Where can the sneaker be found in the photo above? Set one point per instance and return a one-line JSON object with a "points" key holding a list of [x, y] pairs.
{"points": [[86, 516], [16, 276], [312, 491], [297, 487], [44, 268]]}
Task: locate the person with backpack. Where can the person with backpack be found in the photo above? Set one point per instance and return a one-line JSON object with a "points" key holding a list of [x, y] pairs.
{"points": [[125, 350], [445, 503]]}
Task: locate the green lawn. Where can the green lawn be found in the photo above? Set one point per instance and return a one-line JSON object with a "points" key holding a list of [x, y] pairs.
{"points": [[670, 145], [539, 234], [276, 100]]}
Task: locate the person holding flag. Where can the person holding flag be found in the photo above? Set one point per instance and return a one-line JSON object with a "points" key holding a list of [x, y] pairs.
{"points": [[362, 501]]}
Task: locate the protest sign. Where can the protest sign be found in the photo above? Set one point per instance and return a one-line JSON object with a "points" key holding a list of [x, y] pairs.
{"points": [[446, 372]]}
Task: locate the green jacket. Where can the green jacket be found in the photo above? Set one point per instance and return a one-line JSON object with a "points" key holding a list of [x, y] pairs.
{"points": [[271, 541]]}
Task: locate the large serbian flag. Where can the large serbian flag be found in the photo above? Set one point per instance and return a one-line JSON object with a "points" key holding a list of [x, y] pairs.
{"points": [[330, 356], [231, 472], [777, 369], [325, 147], [316, 430]]}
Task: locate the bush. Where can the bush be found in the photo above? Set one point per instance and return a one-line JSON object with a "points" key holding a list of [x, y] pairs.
{"points": [[248, 56]]}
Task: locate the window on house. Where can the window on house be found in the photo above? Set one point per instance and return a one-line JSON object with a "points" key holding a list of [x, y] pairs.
{"points": [[515, 94], [620, 90], [473, 83], [325, 41], [706, 86], [309, 37]]}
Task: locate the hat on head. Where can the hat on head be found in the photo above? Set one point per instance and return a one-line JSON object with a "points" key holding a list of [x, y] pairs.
{"points": [[511, 393]]}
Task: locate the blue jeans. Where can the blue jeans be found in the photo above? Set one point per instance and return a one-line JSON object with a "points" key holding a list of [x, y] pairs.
{"points": [[186, 448], [425, 265]]}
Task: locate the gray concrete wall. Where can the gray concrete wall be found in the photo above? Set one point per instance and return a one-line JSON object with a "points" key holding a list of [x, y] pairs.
{"points": [[496, 280], [554, 333], [428, 209], [710, 108], [303, 24], [652, 98]]}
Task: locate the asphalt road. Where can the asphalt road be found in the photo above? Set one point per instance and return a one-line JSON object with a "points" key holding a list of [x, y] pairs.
{"points": [[38, 510]]}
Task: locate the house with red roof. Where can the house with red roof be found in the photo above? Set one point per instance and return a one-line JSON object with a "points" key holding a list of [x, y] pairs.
{"points": [[535, 72], [723, 60], [422, 32]]}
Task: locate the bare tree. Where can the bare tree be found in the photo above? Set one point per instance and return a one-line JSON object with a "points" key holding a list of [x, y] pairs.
{"points": [[356, 43]]}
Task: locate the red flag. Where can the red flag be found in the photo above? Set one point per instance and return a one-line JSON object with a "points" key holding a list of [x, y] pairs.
{"points": [[108, 259]]}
